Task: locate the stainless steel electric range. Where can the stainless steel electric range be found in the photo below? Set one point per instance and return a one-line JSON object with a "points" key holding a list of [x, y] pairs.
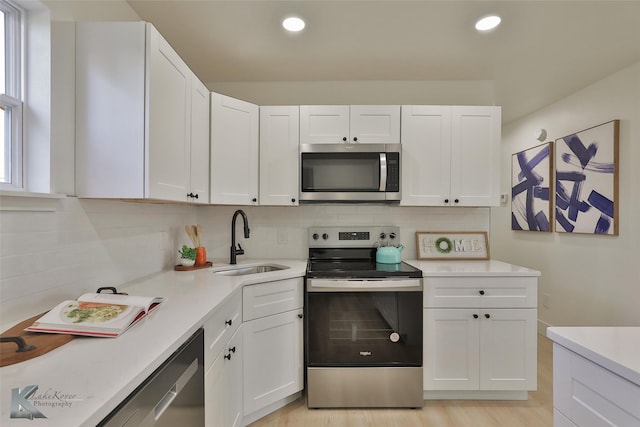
{"points": [[363, 327]]}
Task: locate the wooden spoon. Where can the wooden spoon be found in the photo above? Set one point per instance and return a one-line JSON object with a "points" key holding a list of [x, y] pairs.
{"points": [[199, 231]]}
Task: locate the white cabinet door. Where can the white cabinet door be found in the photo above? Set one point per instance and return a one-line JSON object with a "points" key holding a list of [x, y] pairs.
{"points": [[223, 386], [451, 155], [426, 155], [199, 182], [273, 359], [279, 156], [169, 93], [475, 156], [355, 124], [451, 349], [374, 124], [234, 151], [508, 349], [324, 124], [480, 349]]}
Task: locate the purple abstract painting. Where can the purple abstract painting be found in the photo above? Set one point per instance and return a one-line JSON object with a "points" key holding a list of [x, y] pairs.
{"points": [[587, 181], [531, 185]]}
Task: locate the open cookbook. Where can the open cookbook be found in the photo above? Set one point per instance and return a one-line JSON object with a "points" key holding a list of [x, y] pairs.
{"points": [[96, 315]]}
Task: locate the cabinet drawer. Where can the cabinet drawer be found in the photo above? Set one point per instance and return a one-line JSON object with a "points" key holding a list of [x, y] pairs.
{"points": [[481, 292], [219, 328], [265, 299], [590, 395]]}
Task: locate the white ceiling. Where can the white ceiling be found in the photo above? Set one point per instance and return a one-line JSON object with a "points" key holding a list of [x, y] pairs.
{"points": [[543, 51]]}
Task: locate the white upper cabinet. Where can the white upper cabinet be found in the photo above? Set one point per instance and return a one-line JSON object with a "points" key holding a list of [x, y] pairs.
{"points": [[279, 139], [199, 182], [133, 108], [450, 155], [426, 154], [336, 124], [234, 151], [475, 155]]}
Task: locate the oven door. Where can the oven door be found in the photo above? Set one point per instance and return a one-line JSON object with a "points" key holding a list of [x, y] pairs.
{"points": [[347, 172], [360, 326]]}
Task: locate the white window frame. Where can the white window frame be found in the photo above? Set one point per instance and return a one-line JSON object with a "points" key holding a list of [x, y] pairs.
{"points": [[11, 100]]}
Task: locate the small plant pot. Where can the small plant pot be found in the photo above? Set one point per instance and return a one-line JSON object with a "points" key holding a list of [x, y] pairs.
{"points": [[185, 262]]}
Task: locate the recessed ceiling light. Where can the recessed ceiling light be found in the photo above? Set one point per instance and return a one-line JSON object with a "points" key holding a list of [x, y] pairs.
{"points": [[488, 23], [293, 24]]}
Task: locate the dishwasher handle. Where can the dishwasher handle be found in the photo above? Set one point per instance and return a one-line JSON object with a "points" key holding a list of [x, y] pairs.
{"points": [[170, 395]]}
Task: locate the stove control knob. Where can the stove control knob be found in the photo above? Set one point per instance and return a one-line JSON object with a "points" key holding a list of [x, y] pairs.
{"points": [[392, 235], [315, 236], [383, 236], [325, 236]]}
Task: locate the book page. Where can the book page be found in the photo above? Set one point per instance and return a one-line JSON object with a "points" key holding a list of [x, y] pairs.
{"points": [[135, 300]]}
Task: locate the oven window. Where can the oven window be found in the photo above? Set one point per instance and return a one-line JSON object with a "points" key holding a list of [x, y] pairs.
{"points": [[364, 328], [340, 172]]}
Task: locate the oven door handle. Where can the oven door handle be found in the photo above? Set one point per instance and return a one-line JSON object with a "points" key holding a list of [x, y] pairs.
{"points": [[383, 171], [378, 285]]}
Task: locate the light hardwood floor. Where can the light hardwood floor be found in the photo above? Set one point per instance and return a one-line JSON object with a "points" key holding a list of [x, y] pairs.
{"points": [[537, 411]]}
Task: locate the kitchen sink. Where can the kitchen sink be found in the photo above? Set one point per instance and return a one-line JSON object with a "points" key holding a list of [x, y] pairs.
{"points": [[250, 269]]}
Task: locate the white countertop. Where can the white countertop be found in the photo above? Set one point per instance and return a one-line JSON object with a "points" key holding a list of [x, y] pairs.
{"points": [[82, 381], [470, 268], [614, 348]]}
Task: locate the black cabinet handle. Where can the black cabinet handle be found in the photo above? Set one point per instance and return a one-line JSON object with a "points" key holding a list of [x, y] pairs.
{"points": [[355, 139], [487, 315], [300, 316], [227, 356], [456, 201], [446, 200], [481, 292], [254, 200], [232, 349], [293, 200], [228, 322], [196, 195], [344, 138], [475, 316]]}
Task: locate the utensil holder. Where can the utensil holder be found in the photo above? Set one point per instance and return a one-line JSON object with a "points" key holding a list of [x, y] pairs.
{"points": [[201, 255]]}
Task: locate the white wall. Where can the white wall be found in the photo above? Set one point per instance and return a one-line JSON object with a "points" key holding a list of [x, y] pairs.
{"points": [[281, 232], [445, 92], [589, 280], [46, 257]]}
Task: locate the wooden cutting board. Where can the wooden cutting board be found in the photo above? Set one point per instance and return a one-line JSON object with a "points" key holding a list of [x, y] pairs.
{"points": [[43, 342]]}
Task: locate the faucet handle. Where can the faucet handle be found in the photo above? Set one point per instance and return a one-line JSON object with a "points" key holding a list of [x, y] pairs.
{"points": [[239, 251]]}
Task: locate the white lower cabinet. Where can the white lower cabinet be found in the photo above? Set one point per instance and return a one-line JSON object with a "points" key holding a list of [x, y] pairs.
{"points": [[273, 367], [273, 346], [587, 394], [471, 349], [480, 335], [223, 386]]}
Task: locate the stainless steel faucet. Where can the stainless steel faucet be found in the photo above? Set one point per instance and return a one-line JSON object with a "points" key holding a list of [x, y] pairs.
{"points": [[238, 251]]}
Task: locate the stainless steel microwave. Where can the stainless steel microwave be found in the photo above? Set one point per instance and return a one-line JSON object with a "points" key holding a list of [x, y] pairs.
{"points": [[350, 172]]}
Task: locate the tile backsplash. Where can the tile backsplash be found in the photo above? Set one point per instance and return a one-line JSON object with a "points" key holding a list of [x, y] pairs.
{"points": [[46, 257]]}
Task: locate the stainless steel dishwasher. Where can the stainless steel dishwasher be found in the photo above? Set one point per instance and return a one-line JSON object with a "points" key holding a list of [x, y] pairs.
{"points": [[172, 396]]}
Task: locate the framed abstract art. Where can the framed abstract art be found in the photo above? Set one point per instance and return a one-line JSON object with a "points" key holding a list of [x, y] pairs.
{"points": [[531, 187], [587, 181]]}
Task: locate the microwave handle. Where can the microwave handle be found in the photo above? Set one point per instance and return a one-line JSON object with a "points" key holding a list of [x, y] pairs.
{"points": [[383, 171]]}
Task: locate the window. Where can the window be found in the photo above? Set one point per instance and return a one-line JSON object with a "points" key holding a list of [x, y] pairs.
{"points": [[10, 96]]}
